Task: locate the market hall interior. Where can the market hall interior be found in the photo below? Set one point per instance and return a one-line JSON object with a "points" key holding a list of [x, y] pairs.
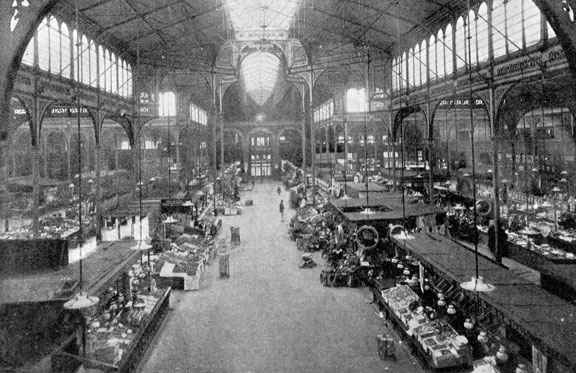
{"points": [[427, 148], [270, 315]]}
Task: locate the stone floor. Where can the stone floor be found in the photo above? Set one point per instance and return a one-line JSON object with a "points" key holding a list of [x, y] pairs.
{"points": [[269, 315]]}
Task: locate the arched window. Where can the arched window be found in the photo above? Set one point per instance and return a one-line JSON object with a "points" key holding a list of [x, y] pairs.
{"points": [[410, 76], [28, 57], [44, 45], [356, 100], [440, 62], [102, 68], [532, 25], [460, 53], [122, 78], [66, 53], [167, 104], [448, 50], [85, 60], [404, 71], [499, 28], [473, 46], [114, 75], [395, 73], [55, 48], [482, 33], [432, 59], [129, 80], [423, 65], [514, 25], [93, 78], [110, 68]]}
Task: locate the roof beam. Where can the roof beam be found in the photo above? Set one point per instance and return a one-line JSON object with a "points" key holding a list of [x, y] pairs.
{"points": [[140, 15]]}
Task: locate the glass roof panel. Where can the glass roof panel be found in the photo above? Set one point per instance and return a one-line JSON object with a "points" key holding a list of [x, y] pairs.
{"points": [[259, 16], [260, 72]]}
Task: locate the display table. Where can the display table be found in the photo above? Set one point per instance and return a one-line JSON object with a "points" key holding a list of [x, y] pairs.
{"points": [[435, 340], [114, 349], [190, 282]]}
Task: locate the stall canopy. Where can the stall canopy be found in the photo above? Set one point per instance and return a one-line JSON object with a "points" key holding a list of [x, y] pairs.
{"points": [[548, 320]]}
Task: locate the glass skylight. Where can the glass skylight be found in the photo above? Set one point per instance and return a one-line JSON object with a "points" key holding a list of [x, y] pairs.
{"points": [[260, 72], [258, 17]]}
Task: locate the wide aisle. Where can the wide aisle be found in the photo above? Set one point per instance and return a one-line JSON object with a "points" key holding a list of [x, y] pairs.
{"points": [[269, 316]]}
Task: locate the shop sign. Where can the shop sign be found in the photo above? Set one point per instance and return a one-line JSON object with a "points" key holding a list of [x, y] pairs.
{"points": [[66, 112], [460, 103], [530, 62]]}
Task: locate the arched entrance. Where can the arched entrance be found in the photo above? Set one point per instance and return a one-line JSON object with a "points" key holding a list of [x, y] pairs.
{"points": [[261, 153]]}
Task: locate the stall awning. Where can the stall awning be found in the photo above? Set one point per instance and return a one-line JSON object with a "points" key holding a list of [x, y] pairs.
{"points": [[545, 317]]}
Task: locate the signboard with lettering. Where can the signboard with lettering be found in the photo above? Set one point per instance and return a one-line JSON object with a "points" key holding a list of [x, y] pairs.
{"points": [[146, 104], [66, 112], [259, 34], [174, 206], [461, 103]]}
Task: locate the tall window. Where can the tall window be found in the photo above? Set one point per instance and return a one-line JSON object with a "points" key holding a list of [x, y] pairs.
{"points": [[440, 62], [423, 64], [102, 66], [482, 33], [473, 36], [167, 104], [85, 60], [28, 57], [65, 52], [448, 50], [356, 100], [54, 45], [532, 25], [410, 75], [93, 77], [460, 34], [44, 45], [514, 25], [404, 71], [499, 28], [433, 58]]}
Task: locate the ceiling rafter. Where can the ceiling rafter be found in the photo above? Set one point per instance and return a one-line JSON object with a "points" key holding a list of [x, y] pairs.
{"points": [[95, 5], [355, 23], [139, 15], [182, 21]]}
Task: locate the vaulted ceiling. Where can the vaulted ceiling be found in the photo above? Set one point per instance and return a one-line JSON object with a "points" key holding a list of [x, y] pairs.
{"points": [[191, 35], [189, 32]]}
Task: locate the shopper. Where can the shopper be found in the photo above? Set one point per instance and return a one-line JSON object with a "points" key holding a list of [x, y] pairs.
{"points": [[282, 210]]}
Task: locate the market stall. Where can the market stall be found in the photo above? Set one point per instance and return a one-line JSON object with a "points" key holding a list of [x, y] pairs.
{"points": [[534, 325], [113, 334], [434, 339]]}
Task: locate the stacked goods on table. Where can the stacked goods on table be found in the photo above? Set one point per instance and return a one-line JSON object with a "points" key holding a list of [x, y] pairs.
{"points": [[185, 260], [443, 346], [114, 326], [50, 227]]}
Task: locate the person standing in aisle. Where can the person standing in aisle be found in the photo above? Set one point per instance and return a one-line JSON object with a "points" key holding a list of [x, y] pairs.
{"points": [[281, 210]]}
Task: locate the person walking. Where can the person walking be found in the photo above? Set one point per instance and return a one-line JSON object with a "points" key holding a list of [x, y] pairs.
{"points": [[281, 210], [279, 190]]}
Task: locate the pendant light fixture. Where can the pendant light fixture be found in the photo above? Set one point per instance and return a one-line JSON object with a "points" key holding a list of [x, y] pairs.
{"points": [[476, 283], [81, 301]]}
